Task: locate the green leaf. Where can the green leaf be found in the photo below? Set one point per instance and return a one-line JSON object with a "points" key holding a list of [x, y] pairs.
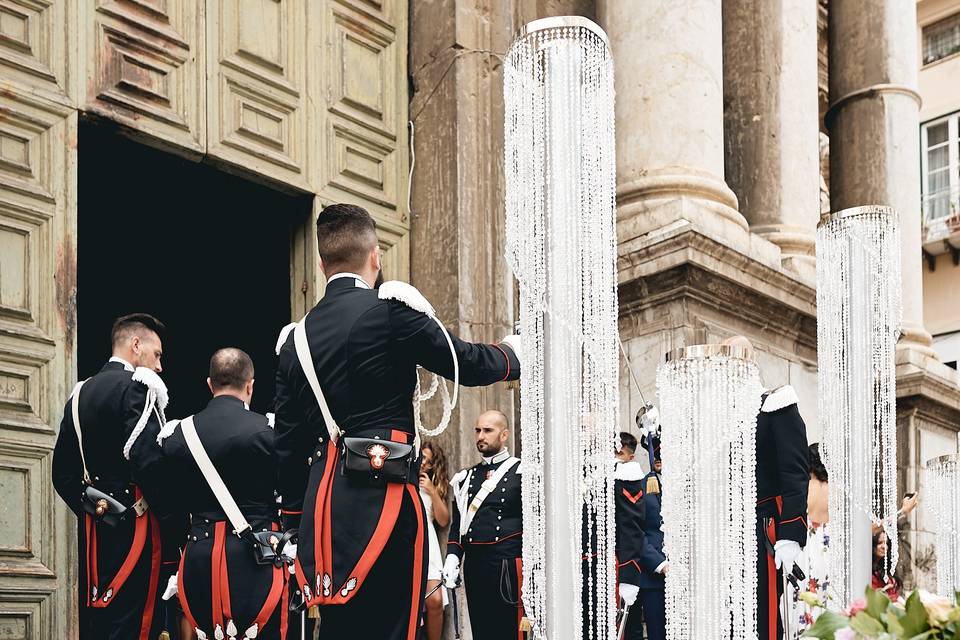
{"points": [[826, 625], [924, 635], [892, 618], [877, 603], [915, 621], [865, 625]]}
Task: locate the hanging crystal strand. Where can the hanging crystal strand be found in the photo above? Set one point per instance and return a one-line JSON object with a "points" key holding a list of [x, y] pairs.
{"points": [[944, 474], [858, 323], [709, 398], [561, 245]]}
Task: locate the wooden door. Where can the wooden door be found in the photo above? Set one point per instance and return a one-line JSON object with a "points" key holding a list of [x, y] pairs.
{"points": [[38, 136]]}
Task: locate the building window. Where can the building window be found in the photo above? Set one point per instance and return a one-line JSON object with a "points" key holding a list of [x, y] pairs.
{"points": [[940, 162], [941, 39]]}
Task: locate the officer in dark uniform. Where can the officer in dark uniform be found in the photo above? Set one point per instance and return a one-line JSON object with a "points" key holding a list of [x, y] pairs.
{"points": [[114, 484], [653, 562], [782, 480], [349, 480], [629, 492], [486, 534], [783, 477], [222, 587]]}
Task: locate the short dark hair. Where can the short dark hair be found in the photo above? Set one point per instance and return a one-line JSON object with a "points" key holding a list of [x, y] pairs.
{"points": [[817, 468], [230, 368], [628, 441], [125, 327], [345, 234]]}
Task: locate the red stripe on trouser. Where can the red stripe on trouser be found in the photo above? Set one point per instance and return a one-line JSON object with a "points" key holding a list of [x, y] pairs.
{"points": [[130, 562], [772, 607], [320, 532], [519, 567], [417, 590], [154, 578], [216, 605], [284, 608], [182, 593], [225, 580], [273, 597], [87, 543]]}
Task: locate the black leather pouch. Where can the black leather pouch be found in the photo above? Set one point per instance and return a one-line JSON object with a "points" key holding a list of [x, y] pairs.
{"points": [[104, 507], [376, 459]]}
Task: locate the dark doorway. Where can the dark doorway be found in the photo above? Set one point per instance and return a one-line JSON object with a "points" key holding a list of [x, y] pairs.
{"points": [[206, 252]]}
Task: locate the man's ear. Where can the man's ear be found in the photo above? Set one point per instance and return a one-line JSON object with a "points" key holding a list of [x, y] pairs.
{"points": [[135, 344], [248, 388], [209, 386], [375, 260], [322, 269]]}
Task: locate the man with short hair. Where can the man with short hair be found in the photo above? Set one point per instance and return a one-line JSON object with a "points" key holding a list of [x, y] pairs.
{"points": [[128, 531], [224, 591], [486, 533], [346, 438]]}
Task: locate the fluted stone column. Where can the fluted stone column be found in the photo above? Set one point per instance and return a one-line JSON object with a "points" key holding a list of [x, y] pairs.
{"points": [[669, 116], [771, 121], [874, 129]]}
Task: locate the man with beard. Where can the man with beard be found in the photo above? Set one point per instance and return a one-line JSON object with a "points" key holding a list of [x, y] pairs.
{"points": [[486, 534]]}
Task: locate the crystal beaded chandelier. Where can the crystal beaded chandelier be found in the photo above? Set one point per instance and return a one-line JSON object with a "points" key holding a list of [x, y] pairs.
{"points": [[709, 397], [561, 245], [945, 503], [858, 324]]}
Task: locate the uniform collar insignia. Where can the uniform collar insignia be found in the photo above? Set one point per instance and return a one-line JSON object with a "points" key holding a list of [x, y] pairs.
{"points": [[497, 458], [359, 282]]}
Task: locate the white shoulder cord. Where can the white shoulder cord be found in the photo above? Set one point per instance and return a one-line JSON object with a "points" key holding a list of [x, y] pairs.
{"points": [[448, 404]]}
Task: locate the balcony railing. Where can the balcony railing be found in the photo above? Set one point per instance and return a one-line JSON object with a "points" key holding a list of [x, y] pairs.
{"points": [[941, 218]]}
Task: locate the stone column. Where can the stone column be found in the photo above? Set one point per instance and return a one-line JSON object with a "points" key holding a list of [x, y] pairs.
{"points": [[669, 116], [771, 121], [874, 130]]}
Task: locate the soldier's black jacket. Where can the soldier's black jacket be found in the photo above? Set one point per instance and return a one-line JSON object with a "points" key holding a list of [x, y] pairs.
{"points": [[782, 469], [121, 413], [497, 526], [637, 558], [365, 345], [240, 444]]}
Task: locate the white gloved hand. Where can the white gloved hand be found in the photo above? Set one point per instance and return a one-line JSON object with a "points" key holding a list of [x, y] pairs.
{"points": [[650, 420], [290, 552], [785, 553], [171, 589], [628, 592], [513, 341], [451, 571], [663, 568]]}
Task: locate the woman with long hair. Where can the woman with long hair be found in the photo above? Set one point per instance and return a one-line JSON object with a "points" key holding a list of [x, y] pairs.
{"points": [[816, 556], [881, 579], [434, 487]]}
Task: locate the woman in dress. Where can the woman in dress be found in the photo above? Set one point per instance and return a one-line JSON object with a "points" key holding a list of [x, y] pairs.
{"points": [[816, 554], [434, 486]]}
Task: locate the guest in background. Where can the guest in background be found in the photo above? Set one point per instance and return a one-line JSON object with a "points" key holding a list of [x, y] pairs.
{"points": [[434, 487]]}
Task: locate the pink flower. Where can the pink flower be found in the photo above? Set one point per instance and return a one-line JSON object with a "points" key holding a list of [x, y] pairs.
{"points": [[846, 633], [856, 607]]}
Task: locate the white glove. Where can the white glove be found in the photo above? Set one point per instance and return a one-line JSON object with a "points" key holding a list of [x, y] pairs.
{"points": [[513, 341], [290, 552], [628, 592], [171, 589], [785, 553], [451, 571], [650, 420], [663, 568]]}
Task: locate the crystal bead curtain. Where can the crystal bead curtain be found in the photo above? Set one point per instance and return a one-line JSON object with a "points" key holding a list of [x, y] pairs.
{"points": [[709, 405], [561, 245], [944, 502], [858, 324]]}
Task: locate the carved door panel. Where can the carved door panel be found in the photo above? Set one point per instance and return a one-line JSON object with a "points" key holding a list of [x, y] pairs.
{"points": [[143, 66], [358, 74], [256, 87], [38, 133]]}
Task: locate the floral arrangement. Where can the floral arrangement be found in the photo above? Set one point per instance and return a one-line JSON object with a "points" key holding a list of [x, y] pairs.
{"points": [[924, 616]]}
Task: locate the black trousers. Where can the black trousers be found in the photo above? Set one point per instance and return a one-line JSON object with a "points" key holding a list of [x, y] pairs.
{"points": [[493, 594], [649, 609], [388, 605], [769, 586]]}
